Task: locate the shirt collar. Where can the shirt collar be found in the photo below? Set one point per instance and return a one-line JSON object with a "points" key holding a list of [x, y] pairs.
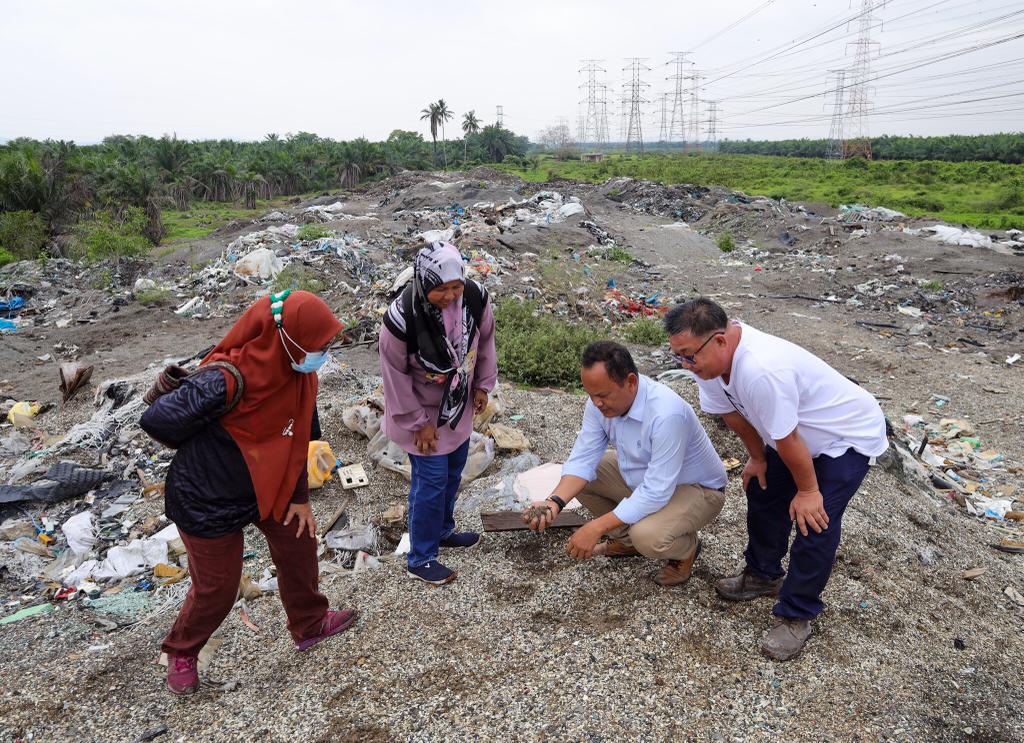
{"points": [[636, 410]]}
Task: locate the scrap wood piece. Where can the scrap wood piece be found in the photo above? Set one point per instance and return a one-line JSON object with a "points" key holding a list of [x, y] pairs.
{"points": [[513, 521], [1009, 545], [339, 514]]}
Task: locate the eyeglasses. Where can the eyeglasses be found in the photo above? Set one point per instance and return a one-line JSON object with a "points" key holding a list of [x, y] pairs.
{"points": [[691, 359]]}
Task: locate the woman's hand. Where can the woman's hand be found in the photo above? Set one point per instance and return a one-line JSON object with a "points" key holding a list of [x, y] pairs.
{"points": [[479, 401], [426, 439], [304, 514]]}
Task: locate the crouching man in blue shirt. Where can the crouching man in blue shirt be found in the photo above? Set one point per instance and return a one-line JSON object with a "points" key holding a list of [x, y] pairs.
{"points": [[661, 483]]}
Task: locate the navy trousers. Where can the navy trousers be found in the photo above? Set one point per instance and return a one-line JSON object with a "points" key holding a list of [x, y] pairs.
{"points": [[435, 484], [811, 557]]}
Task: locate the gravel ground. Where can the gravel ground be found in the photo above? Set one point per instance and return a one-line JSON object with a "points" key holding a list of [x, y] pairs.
{"points": [[529, 644]]}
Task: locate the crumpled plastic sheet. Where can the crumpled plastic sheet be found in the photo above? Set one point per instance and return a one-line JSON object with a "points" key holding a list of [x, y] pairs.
{"points": [[79, 532], [504, 496], [62, 481], [956, 236], [124, 561]]}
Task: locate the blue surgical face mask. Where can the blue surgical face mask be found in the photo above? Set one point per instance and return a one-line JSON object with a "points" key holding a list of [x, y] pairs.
{"points": [[313, 361]]}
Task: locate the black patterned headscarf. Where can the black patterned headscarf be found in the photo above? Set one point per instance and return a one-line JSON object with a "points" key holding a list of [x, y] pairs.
{"points": [[437, 264]]}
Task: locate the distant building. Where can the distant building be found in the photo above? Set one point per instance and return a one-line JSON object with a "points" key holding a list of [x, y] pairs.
{"points": [[592, 157]]}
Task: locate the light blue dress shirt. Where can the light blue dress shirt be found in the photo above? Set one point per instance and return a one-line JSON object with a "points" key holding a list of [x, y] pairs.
{"points": [[660, 445]]}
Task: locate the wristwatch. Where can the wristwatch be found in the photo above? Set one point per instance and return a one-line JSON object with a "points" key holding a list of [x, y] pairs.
{"points": [[559, 501]]}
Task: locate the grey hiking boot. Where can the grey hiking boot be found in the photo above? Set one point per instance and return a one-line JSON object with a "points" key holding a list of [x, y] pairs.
{"points": [[786, 638], [747, 586]]}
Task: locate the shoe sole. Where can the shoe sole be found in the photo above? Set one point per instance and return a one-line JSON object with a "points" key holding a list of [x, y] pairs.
{"points": [[782, 658], [456, 547], [182, 693], [746, 596], [449, 579], [337, 631]]}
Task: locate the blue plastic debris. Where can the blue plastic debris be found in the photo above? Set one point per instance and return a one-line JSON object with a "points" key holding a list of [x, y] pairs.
{"points": [[6, 326], [611, 283], [11, 306]]}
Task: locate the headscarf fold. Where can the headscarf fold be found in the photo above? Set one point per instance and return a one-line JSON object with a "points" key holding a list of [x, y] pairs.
{"points": [[437, 264], [271, 424]]}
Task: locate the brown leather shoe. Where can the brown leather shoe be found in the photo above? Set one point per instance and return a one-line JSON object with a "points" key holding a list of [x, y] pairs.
{"points": [[747, 586], [615, 548], [677, 572]]}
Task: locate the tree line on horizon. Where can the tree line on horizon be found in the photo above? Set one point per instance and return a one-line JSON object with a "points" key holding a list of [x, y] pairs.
{"points": [[1004, 148], [48, 187]]}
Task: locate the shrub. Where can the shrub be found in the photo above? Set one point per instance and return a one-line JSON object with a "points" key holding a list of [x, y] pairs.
{"points": [[619, 255], [537, 349], [155, 295], [725, 242], [22, 235], [110, 235], [645, 331], [933, 286], [296, 276], [314, 232], [6, 257]]}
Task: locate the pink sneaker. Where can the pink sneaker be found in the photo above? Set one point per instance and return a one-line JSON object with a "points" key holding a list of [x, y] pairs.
{"points": [[182, 675], [334, 622]]}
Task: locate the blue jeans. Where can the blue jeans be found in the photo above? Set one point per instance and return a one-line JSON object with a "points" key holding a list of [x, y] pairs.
{"points": [[435, 483], [811, 557]]}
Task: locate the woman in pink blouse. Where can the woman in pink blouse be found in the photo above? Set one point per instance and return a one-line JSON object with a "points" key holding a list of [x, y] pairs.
{"points": [[438, 360]]}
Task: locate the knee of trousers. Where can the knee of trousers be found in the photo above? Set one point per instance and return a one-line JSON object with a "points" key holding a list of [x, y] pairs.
{"points": [[650, 540]]}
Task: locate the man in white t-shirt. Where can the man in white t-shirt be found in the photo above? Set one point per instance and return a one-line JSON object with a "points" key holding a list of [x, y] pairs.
{"points": [[811, 434], [659, 486]]}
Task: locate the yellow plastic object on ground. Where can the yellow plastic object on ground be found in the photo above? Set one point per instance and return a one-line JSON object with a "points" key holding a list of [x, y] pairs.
{"points": [[22, 413], [319, 462]]}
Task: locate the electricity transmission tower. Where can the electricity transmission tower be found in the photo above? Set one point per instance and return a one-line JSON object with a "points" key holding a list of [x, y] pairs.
{"points": [[595, 119], [712, 131], [858, 141], [693, 136], [677, 128], [634, 99], [663, 132], [500, 122], [834, 150]]}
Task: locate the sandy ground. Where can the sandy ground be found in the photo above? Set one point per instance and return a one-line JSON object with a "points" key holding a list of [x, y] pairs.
{"points": [[529, 644]]}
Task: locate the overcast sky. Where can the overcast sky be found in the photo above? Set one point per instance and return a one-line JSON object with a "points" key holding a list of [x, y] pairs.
{"points": [[83, 69]]}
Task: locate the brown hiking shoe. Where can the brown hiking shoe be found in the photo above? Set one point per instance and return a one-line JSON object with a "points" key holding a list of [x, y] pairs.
{"points": [[615, 548], [746, 586], [677, 572], [786, 638]]}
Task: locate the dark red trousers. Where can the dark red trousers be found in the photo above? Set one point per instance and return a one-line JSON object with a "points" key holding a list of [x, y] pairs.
{"points": [[215, 566]]}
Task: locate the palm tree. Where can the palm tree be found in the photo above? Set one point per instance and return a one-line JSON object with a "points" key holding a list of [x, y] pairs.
{"points": [[497, 141], [444, 114], [431, 112], [470, 125]]}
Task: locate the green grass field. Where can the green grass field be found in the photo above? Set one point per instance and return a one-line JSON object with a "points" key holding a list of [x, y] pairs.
{"points": [[983, 194], [203, 217]]}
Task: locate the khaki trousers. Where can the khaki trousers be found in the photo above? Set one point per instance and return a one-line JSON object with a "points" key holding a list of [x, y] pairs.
{"points": [[668, 534]]}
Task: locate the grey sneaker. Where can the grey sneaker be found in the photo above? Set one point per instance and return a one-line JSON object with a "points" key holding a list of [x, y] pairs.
{"points": [[747, 586], [786, 638]]}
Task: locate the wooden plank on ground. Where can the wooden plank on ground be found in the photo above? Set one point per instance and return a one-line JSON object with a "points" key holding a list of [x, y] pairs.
{"points": [[513, 521]]}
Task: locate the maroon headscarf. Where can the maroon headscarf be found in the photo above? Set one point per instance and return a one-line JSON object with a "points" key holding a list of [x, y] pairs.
{"points": [[271, 424]]}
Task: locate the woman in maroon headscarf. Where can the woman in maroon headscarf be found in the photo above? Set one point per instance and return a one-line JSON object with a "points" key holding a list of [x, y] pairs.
{"points": [[241, 426]]}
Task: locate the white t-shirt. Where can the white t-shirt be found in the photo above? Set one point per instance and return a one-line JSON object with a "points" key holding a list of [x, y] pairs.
{"points": [[779, 386]]}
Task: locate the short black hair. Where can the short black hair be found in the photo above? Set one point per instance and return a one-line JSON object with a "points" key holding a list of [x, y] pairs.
{"points": [[618, 364], [698, 317]]}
